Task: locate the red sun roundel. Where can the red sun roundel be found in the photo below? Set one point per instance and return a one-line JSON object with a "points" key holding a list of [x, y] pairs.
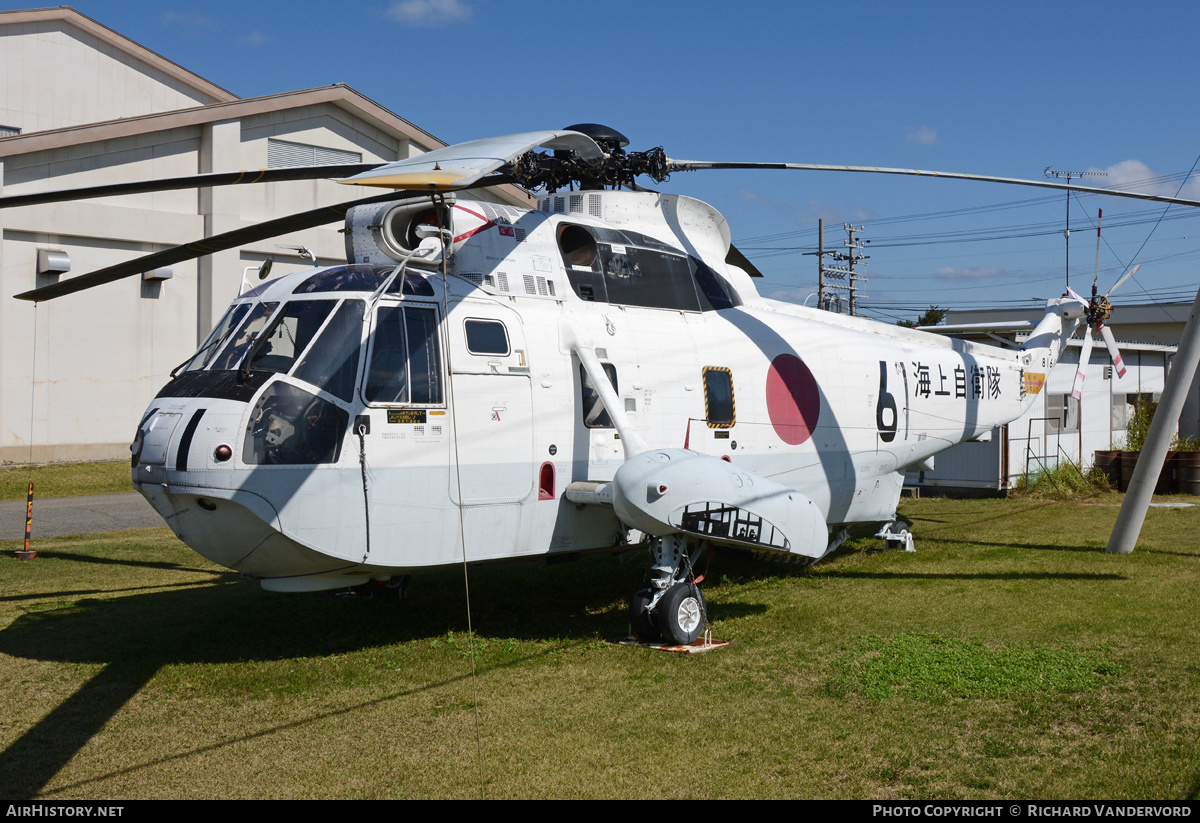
{"points": [[793, 400]]}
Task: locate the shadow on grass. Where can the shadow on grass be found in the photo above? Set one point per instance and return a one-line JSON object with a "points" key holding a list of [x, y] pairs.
{"points": [[17, 598], [133, 635], [1040, 547], [75, 557], [851, 573]]}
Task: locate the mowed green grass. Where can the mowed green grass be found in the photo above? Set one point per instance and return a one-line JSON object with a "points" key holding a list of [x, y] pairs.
{"points": [[1009, 657], [65, 479]]}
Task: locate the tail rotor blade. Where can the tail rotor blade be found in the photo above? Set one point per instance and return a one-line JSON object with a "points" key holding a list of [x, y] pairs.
{"points": [[1085, 354], [1075, 294], [1128, 275], [1111, 343]]}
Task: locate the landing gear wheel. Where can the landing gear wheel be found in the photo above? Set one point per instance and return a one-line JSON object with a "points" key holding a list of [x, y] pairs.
{"points": [[682, 613], [899, 528], [641, 622]]}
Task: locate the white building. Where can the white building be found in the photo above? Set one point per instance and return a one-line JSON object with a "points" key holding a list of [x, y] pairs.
{"points": [[81, 105]]}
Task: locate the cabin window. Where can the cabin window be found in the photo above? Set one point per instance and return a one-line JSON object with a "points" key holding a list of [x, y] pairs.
{"points": [[648, 278], [630, 269], [405, 365], [247, 333], [331, 363], [486, 337], [595, 416], [718, 397], [715, 291]]}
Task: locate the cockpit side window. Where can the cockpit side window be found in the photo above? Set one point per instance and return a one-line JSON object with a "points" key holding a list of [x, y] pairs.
{"points": [[405, 364], [331, 363], [233, 352]]}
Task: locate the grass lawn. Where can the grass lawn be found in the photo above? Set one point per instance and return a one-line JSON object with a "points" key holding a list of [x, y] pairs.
{"points": [[1009, 657], [65, 479]]}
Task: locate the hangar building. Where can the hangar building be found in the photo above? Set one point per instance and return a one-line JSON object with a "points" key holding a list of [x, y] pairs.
{"points": [[81, 105]]}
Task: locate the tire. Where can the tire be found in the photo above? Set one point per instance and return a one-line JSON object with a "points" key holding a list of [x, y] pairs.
{"points": [[900, 527], [682, 613], [641, 622]]}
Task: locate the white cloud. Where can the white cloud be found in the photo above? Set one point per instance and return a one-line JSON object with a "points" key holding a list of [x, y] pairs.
{"points": [[254, 38], [1134, 175], [922, 136], [791, 294], [968, 273], [751, 197], [429, 13]]}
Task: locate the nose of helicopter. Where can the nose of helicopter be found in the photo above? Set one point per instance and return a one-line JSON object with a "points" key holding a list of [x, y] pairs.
{"points": [[183, 463], [190, 461]]}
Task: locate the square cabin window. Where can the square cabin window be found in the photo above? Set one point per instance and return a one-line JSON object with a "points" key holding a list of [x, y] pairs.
{"points": [[486, 337], [718, 397]]}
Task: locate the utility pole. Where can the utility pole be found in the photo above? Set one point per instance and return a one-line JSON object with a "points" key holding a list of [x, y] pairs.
{"points": [[1067, 175], [848, 274], [821, 264]]}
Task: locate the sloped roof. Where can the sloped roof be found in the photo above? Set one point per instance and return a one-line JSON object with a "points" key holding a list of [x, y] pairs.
{"points": [[135, 50], [339, 94]]}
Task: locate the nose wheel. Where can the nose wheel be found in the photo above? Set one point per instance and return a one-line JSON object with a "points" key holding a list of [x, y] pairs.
{"points": [[670, 607], [682, 613]]}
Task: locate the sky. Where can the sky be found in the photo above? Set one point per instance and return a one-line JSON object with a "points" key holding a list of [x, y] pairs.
{"points": [[1006, 89]]}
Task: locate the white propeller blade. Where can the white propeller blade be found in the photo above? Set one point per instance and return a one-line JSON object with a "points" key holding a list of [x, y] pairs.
{"points": [[1128, 275], [1085, 355], [1111, 343], [464, 163], [1075, 294]]}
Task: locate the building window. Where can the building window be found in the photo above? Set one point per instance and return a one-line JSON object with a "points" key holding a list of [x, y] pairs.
{"points": [[1063, 413], [9, 131], [282, 154]]}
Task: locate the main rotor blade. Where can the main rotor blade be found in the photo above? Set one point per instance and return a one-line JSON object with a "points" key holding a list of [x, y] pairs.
{"points": [[227, 240], [697, 165], [192, 181], [463, 163]]}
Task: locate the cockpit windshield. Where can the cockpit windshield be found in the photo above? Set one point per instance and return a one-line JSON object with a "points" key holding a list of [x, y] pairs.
{"points": [[288, 336], [218, 336], [246, 334]]}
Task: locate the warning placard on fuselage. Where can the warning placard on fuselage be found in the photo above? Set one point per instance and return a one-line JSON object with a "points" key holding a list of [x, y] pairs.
{"points": [[406, 415]]}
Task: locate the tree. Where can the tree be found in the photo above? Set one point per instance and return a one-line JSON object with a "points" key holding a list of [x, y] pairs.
{"points": [[932, 317]]}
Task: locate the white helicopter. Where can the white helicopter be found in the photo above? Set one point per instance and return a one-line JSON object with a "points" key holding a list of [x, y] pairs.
{"points": [[482, 382]]}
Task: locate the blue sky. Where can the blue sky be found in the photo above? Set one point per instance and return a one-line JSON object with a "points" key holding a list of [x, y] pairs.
{"points": [[1000, 88]]}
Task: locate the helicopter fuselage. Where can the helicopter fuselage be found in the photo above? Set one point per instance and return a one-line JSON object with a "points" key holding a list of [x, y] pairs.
{"points": [[329, 432]]}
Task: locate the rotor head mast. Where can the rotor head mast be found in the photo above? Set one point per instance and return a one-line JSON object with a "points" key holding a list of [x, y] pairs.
{"points": [[565, 168]]}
